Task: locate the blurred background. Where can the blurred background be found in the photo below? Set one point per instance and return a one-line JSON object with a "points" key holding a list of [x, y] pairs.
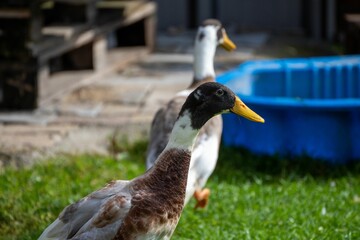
{"points": [[78, 69]]}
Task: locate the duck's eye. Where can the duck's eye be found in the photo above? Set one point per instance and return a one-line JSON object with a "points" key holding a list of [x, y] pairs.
{"points": [[219, 92]]}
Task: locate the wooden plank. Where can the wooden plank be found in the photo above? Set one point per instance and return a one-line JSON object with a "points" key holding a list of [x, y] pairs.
{"points": [[83, 37], [15, 13], [354, 18], [65, 31], [352, 34], [26, 117], [143, 11], [150, 32], [76, 1], [99, 53], [20, 3]]}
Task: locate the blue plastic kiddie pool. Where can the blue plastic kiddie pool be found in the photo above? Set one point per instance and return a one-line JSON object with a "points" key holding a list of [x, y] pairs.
{"points": [[311, 106]]}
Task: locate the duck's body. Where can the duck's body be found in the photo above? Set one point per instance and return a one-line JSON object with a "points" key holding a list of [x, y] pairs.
{"points": [[121, 210], [205, 154], [149, 206]]}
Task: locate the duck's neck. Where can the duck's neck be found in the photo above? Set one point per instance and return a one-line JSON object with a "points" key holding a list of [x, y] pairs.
{"points": [[204, 60], [182, 135], [181, 139], [171, 168]]}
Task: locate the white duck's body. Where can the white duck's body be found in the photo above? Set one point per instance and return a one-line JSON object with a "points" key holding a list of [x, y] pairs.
{"points": [[205, 153]]}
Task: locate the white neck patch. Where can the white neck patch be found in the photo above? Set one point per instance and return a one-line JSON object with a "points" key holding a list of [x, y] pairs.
{"points": [[204, 52], [183, 135]]}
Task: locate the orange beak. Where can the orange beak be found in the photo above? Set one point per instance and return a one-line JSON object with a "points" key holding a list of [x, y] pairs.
{"points": [[227, 44], [242, 110]]}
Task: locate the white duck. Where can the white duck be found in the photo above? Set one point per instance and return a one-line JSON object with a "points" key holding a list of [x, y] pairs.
{"points": [[149, 206], [209, 35]]}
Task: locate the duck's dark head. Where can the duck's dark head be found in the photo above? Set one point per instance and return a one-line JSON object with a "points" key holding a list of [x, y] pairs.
{"points": [[211, 30], [211, 99]]}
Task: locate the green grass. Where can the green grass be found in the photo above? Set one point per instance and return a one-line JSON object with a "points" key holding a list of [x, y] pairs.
{"points": [[252, 197]]}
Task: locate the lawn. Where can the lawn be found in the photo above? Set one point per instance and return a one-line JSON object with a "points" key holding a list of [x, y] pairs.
{"points": [[252, 197]]}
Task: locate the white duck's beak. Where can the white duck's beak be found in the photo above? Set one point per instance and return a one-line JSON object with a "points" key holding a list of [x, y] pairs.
{"points": [[227, 44]]}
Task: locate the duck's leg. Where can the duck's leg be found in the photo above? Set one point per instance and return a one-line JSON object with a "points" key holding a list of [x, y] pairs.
{"points": [[202, 197]]}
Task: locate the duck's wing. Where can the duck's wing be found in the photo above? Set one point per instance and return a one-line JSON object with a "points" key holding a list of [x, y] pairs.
{"points": [[162, 126], [97, 216]]}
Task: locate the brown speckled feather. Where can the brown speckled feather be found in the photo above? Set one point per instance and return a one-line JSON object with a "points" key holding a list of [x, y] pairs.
{"points": [[158, 198]]}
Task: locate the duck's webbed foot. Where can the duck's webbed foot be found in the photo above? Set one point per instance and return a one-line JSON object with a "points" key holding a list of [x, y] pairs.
{"points": [[202, 198]]}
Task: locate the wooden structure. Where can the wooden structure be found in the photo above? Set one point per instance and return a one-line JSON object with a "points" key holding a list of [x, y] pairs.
{"points": [[42, 40], [352, 37]]}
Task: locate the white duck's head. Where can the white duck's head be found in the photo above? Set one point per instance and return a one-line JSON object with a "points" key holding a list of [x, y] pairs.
{"points": [[210, 34]]}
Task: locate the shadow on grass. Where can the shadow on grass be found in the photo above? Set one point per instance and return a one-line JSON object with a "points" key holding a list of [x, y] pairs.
{"points": [[241, 162]]}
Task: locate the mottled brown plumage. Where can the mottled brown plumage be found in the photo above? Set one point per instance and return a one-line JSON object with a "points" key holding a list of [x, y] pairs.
{"points": [[158, 197]]}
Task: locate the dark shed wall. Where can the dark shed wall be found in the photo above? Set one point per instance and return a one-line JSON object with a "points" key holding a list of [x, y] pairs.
{"points": [[172, 13], [283, 15], [262, 14]]}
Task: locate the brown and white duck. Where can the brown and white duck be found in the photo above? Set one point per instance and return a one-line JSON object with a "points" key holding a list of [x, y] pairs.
{"points": [[149, 206], [209, 35]]}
